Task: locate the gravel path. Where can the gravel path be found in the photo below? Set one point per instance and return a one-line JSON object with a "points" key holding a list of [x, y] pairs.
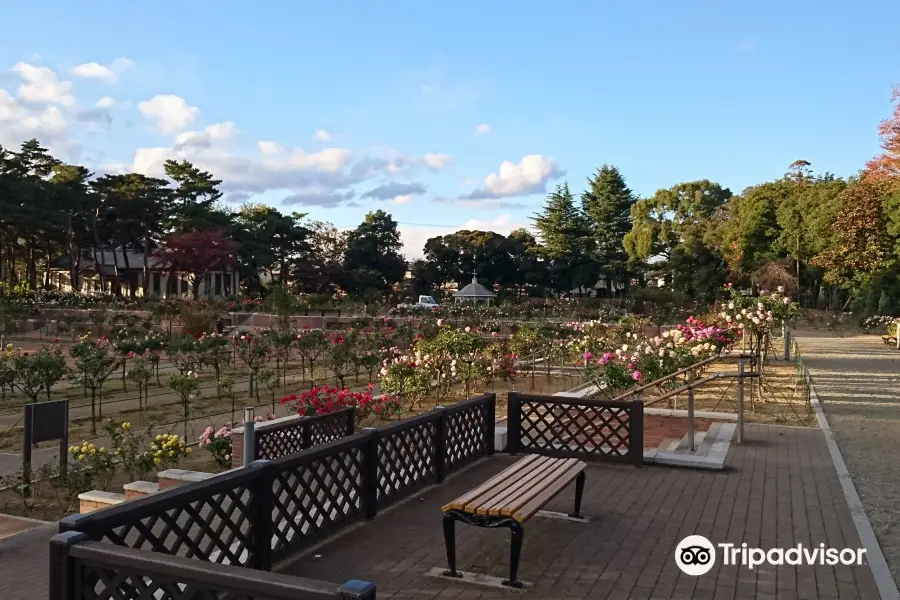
{"points": [[858, 381]]}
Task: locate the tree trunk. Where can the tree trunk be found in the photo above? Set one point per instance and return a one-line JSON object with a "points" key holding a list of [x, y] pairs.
{"points": [[132, 281], [98, 264], [146, 283], [32, 267]]}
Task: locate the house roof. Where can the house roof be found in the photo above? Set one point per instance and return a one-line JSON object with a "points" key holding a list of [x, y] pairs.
{"points": [[474, 290]]}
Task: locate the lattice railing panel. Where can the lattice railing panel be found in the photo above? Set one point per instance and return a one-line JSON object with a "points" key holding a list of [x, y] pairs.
{"points": [[315, 498], [576, 429], [327, 428], [289, 438], [100, 583], [215, 529], [279, 442], [405, 459], [465, 436]]}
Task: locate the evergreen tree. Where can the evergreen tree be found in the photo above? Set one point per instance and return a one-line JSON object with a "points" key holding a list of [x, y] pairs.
{"points": [[565, 239], [606, 204]]}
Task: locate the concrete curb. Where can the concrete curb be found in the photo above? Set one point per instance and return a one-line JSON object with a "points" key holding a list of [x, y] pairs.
{"points": [[887, 588]]}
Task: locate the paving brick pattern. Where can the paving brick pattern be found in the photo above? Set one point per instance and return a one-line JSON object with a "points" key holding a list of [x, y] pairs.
{"points": [[778, 490], [24, 564]]}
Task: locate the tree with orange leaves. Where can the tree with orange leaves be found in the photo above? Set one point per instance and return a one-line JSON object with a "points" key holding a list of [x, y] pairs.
{"points": [[886, 166]]}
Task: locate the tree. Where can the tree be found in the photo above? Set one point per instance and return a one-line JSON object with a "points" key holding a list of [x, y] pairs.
{"points": [[565, 240], [860, 246], [607, 204], [676, 228], [195, 196], [887, 164], [196, 253], [372, 260], [457, 256], [134, 208]]}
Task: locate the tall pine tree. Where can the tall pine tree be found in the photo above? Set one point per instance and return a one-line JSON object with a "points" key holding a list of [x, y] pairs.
{"points": [[565, 239], [606, 204]]}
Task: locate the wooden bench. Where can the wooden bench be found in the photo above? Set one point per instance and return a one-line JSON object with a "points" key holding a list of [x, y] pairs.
{"points": [[509, 499]]}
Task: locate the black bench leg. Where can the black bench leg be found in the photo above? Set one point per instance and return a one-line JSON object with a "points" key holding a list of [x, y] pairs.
{"points": [[450, 541], [579, 492], [515, 550]]}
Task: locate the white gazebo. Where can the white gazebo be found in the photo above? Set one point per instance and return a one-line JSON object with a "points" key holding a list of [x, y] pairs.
{"points": [[474, 292]]}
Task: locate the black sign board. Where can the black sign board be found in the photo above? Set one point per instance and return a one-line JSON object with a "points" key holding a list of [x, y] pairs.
{"points": [[45, 421], [49, 420]]}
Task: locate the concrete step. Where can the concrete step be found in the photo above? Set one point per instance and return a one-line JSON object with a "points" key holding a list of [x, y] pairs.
{"points": [[668, 445], [683, 443]]}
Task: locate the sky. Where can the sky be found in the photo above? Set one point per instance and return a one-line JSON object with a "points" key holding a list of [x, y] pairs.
{"points": [[448, 115]]}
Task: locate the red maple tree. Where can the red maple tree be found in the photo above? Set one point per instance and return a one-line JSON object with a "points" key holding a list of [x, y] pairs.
{"points": [[196, 253], [886, 166]]}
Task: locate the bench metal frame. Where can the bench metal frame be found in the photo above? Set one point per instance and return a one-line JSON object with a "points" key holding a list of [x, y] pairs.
{"points": [[517, 533]]}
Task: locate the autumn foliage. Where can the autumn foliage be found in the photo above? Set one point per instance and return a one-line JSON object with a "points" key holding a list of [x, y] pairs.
{"points": [[196, 253], [887, 164]]}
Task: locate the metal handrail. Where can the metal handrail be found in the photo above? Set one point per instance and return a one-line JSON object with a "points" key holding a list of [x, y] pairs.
{"points": [[687, 369], [693, 384]]}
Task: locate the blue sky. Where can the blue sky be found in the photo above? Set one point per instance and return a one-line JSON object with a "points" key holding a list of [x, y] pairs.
{"points": [[668, 92]]}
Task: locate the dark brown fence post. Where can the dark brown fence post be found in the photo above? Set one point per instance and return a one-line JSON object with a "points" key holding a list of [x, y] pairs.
{"points": [[636, 432], [306, 434], [370, 473], [440, 444], [261, 491], [513, 423], [351, 421], [490, 424], [63, 583]]}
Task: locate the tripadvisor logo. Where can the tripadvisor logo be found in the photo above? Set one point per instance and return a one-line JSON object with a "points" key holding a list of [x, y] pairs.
{"points": [[696, 555]]}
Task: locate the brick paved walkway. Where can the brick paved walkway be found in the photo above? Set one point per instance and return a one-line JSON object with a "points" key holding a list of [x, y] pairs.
{"points": [[24, 563], [780, 489]]}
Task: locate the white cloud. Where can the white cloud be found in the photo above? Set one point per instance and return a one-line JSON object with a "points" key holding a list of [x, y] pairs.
{"points": [[105, 102], [19, 123], [483, 129], [437, 162], [403, 199], [414, 237], [395, 189], [108, 74], [529, 176], [269, 148], [169, 113], [217, 132], [322, 135], [94, 70], [42, 87]]}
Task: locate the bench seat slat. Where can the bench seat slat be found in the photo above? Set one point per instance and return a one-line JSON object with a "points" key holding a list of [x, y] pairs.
{"points": [[517, 483], [524, 467], [519, 496], [528, 510]]}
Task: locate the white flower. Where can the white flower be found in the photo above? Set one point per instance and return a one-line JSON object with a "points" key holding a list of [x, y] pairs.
{"points": [[468, 329], [731, 306], [786, 300], [743, 311], [780, 289], [624, 347]]}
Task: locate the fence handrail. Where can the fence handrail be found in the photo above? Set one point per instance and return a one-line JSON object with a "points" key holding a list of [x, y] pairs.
{"points": [[688, 369], [179, 569], [262, 524]]}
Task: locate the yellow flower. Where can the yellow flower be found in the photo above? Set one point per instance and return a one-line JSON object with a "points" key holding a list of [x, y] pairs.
{"points": [[156, 461], [171, 453], [187, 450], [90, 446], [159, 437], [102, 449], [93, 452]]}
